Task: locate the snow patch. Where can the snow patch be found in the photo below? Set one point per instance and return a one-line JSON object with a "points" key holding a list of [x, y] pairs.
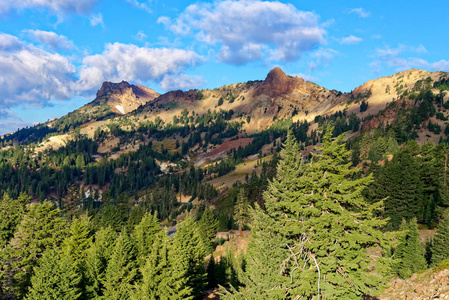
{"points": [[120, 109]]}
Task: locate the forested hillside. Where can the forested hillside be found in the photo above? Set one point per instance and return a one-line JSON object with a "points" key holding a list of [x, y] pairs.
{"points": [[337, 190]]}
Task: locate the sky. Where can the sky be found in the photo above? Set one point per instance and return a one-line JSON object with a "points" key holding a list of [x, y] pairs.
{"points": [[55, 54]]}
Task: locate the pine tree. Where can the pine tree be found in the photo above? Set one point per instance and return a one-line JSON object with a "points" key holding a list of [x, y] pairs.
{"points": [[409, 255], [121, 271], [144, 236], [324, 227], [97, 258], [41, 228], [12, 212], [55, 277], [400, 184], [111, 217], [440, 245], [75, 246], [190, 244], [241, 210], [208, 226], [163, 274]]}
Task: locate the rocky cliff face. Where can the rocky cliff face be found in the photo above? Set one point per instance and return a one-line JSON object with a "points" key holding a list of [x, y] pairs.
{"points": [[124, 97]]}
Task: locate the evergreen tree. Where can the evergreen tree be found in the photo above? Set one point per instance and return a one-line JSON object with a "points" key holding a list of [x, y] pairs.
{"points": [[241, 212], [97, 258], [11, 211], [75, 246], [163, 274], [121, 271], [111, 217], [409, 255], [190, 244], [440, 245], [135, 217], [144, 236], [55, 277], [323, 224], [399, 183], [208, 226], [41, 228]]}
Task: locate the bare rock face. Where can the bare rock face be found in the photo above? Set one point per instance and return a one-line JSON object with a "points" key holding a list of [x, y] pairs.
{"points": [[124, 97], [277, 83]]}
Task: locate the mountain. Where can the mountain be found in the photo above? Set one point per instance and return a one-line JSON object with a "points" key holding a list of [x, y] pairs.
{"points": [[260, 102], [123, 97]]}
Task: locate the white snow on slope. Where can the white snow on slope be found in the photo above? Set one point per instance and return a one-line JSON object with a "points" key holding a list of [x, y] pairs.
{"points": [[120, 109]]}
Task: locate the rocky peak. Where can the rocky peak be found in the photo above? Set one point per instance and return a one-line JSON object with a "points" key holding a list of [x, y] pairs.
{"points": [[276, 77], [124, 97], [277, 83], [113, 88]]}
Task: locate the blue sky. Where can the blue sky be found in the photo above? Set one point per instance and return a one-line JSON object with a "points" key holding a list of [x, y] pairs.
{"points": [[54, 54]]}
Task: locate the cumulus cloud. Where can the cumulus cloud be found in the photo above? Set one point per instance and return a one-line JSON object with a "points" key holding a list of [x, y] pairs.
{"points": [[321, 57], [307, 77], [30, 76], [51, 39], [360, 12], [350, 40], [129, 62], [180, 82], [141, 5], [96, 19], [248, 31], [403, 57], [140, 36], [57, 6], [10, 122]]}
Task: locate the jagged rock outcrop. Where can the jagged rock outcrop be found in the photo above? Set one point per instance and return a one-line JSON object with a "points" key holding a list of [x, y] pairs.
{"points": [[278, 83], [124, 97]]}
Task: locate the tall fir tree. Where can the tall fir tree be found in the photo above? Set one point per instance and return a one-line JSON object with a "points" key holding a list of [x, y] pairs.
{"points": [[164, 273], [41, 228], [324, 227], [409, 255], [97, 257], [144, 236], [12, 212], [55, 277], [241, 212], [75, 246], [440, 244], [190, 244], [400, 184], [121, 271], [208, 226]]}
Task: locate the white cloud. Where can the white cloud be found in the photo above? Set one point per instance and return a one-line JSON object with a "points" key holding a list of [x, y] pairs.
{"points": [[248, 30], [30, 76], [129, 62], [57, 6], [140, 36], [403, 57], [307, 77], [180, 82], [360, 12], [350, 40], [141, 5], [321, 57], [10, 122], [96, 19], [51, 39], [442, 65]]}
